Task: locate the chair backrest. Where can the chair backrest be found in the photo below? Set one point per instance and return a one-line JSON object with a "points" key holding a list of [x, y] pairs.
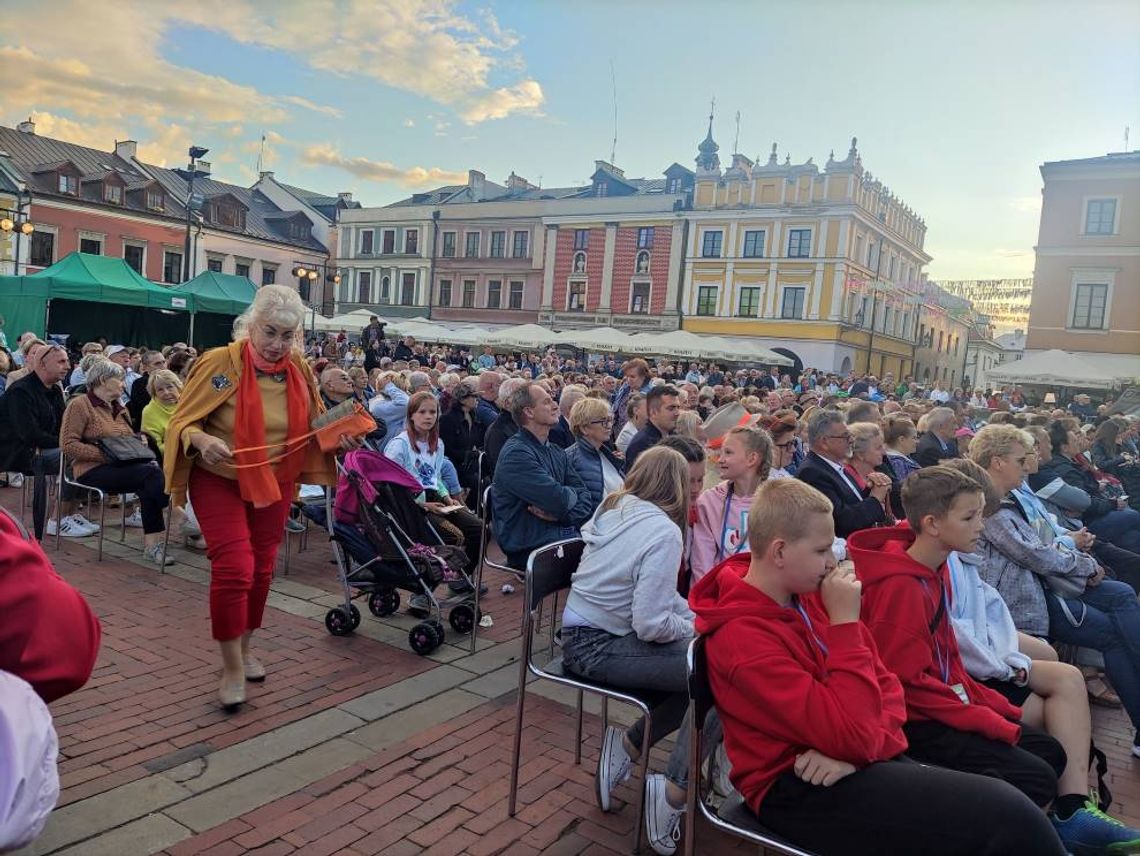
{"points": [[549, 568], [700, 692]]}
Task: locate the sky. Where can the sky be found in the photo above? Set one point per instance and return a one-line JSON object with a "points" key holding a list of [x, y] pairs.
{"points": [[955, 104]]}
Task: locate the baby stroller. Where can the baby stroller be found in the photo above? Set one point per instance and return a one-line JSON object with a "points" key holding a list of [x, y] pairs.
{"points": [[384, 542]]}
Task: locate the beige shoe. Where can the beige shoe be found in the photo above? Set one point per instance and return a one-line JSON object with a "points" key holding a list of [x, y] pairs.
{"points": [[254, 671], [231, 694]]}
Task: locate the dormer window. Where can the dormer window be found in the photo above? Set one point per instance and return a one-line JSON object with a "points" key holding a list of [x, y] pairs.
{"points": [[155, 200], [68, 184], [674, 185], [601, 189], [228, 215], [299, 229], [113, 193]]}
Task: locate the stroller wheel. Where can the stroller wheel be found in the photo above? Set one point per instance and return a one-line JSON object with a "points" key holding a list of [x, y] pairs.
{"points": [[462, 618], [423, 638], [354, 614], [383, 602], [339, 622]]}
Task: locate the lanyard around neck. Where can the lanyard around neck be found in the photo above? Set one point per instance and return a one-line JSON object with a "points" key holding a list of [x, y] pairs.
{"points": [[724, 526], [807, 623]]}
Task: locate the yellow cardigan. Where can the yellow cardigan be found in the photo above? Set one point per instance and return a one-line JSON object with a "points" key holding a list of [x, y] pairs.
{"points": [[213, 380]]}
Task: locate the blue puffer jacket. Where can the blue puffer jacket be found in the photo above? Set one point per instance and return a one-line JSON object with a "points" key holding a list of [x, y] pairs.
{"points": [[588, 462]]}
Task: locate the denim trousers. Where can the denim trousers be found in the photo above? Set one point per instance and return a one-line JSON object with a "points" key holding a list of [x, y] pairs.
{"points": [[1120, 527], [1108, 620], [655, 672]]}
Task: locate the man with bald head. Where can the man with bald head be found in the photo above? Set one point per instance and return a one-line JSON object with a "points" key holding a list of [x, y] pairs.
{"points": [[488, 388]]}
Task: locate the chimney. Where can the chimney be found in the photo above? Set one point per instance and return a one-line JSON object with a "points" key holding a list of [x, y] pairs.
{"points": [[517, 182], [204, 166], [477, 183], [126, 149], [606, 166], [28, 127], [344, 197], [264, 174]]}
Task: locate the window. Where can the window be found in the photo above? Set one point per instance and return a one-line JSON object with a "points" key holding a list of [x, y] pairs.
{"points": [[711, 243], [601, 189], [445, 292], [268, 274], [642, 263], [408, 290], [172, 268], [449, 245], [155, 200], [214, 265], [521, 242], [891, 269], [241, 269], [389, 241], [133, 256], [1089, 306], [674, 185], [69, 184], [754, 244], [228, 215], [706, 300], [793, 303], [1100, 217], [749, 303], [516, 294], [468, 293], [91, 245], [498, 245], [639, 298], [299, 229], [579, 262], [385, 289], [576, 300], [494, 294], [43, 249], [645, 238], [799, 243], [364, 286], [412, 242], [581, 239], [113, 193], [471, 248], [367, 237], [940, 336]]}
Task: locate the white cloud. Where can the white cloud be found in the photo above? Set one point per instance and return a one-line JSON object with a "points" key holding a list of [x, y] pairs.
{"points": [[1026, 204], [524, 97], [409, 123], [324, 154]]}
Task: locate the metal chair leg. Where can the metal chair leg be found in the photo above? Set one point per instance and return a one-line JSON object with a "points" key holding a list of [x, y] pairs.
{"points": [[122, 517], [578, 734], [517, 749], [166, 536], [102, 522], [639, 818]]}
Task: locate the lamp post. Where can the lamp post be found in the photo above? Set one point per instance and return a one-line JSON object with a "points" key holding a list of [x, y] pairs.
{"points": [[307, 273], [190, 173], [16, 220]]}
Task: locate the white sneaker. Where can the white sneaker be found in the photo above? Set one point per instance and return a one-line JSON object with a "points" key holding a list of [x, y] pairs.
{"points": [[68, 528], [662, 821], [16, 480], [156, 555], [134, 520], [614, 765], [85, 524]]}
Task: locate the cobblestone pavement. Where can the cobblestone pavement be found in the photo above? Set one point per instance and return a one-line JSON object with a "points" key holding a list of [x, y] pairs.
{"points": [[353, 745]]}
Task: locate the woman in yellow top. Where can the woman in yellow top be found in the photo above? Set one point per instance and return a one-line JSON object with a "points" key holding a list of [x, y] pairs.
{"points": [[238, 442]]}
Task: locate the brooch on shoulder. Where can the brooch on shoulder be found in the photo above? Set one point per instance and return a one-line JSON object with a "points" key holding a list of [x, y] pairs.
{"points": [[220, 382]]}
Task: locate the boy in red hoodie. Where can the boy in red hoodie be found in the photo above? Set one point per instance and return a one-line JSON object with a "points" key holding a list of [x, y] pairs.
{"points": [[813, 722], [952, 720]]}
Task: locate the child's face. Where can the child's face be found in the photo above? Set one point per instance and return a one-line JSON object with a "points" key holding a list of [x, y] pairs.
{"points": [[424, 417], [696, 480], [735, 459], [809, 559], [961, 527]]}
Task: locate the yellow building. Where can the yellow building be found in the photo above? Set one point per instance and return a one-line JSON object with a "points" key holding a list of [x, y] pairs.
{"points": [[823, 266]]}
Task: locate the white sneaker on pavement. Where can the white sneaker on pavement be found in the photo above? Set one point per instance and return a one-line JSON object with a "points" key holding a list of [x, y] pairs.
{"points": [[68, 528], [85, 524], [16, 480], [155, 555], [662, 821], [614, 765], [135, 520]]}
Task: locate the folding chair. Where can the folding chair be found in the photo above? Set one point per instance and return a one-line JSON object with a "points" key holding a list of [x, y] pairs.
{"points": [[64, 478], [484, 517], [734, 816], [548, 572]]}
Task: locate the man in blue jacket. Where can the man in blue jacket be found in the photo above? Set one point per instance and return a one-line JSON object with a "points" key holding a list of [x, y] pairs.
{"points": [[537, 496]]}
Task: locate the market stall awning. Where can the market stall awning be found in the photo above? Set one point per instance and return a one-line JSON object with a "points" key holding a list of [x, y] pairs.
{"points": [[606, 339], [223, 293], [687, 345], [1053, 368], [100, 279], [524, 336]]}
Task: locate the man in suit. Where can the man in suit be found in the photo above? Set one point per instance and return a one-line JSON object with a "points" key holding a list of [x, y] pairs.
{"points": [[938, 442], [830, 442]]}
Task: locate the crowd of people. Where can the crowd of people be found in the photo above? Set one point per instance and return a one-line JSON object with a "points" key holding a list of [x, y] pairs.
{"points": [[881, 571]]}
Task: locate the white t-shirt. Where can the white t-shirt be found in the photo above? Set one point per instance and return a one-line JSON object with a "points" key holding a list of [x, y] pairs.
{"points": [[611, 478]]}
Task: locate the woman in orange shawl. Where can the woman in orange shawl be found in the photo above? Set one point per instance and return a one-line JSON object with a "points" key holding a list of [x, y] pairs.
{"points": [[238, 443]]}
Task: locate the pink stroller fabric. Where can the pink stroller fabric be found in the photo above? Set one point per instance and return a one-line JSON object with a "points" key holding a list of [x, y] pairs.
{"points": [[372, 467]]}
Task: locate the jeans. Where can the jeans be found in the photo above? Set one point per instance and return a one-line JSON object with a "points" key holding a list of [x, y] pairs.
{"points": [[1109, 622], [1120, 527], [1124, 564], [144, 479]]}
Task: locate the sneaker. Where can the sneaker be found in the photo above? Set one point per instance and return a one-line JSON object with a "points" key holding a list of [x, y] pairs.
{"points": [[662, 821], [295, 526], [155, 555], [134, 520], [16, 480], [614, 765], [67, 528], [1089, 830], [83, 523]]}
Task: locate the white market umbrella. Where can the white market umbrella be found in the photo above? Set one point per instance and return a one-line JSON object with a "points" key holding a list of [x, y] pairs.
{"points": [[1055, 367], [601, 339], [524, 336]]}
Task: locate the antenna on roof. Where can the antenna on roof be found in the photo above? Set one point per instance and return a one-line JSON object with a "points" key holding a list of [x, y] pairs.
{"points": [[261, 154], [1126, 130], [736, 141], [613, 83]]}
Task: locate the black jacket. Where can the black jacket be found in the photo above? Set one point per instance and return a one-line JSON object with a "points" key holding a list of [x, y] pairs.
{"points": [[930, 451], [30, 417], [588, 462], [851, 511], [140, 398], [646, 438], [561, 435], [501, 430], [462, 441], [1066, 470]]}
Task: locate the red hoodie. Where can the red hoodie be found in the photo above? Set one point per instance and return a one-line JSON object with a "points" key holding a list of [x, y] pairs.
{"points": [[779, 692], [48, 634], [900, 602]]}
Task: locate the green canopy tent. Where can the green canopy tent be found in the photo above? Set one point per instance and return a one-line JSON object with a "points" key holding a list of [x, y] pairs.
{"points": [[218, 297], [64, 299]]}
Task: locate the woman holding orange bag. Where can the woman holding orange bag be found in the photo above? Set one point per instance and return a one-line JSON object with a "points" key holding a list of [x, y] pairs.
{"points": [[238, 443]]}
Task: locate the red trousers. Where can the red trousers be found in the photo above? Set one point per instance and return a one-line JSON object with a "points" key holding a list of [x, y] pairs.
{"points": [[241, 543]]}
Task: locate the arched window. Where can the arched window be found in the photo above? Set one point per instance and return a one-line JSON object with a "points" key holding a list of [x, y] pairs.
{"points": [[579, 262], [386, 290], [642, 264]]}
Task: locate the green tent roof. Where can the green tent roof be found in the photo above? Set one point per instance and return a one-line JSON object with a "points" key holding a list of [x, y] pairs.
{"points": [[100, 279], [223, 293]]}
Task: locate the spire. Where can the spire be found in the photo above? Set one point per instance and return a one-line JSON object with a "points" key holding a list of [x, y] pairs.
{"points": [[707, 160]]}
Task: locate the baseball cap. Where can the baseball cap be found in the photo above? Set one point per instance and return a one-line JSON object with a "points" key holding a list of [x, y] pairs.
{"points": [[111, 350]]}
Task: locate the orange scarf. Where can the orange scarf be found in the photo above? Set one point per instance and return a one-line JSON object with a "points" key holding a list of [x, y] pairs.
{"points": [[258, 480]]}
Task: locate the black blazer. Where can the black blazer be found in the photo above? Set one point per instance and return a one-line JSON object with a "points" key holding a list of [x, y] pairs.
{"points": [[851, 512], [929, 451]]}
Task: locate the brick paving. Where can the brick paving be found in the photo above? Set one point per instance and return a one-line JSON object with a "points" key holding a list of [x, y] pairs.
{"points": [[353, 746]]}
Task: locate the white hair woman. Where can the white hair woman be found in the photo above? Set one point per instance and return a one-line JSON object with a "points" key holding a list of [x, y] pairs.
{"points": [[238, 443]]}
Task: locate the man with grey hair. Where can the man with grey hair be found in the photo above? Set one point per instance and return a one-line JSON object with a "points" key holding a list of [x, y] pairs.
{"points": [[560, 434], [823, 468], [938, 443], [419, 381], [487, 387], [503, 427]]}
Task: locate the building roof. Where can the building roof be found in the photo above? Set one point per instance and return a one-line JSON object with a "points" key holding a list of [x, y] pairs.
{"points": [[1111, 159], [322, 202], [1014, 341]]}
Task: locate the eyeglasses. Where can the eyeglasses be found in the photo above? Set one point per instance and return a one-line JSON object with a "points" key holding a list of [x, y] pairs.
{"points": [[609, 423], [788, 445], [845, 436]]}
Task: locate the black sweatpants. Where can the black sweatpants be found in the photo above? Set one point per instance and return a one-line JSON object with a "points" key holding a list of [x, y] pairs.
{"points": [[902, 807], [1032, 765], [144, 479]]}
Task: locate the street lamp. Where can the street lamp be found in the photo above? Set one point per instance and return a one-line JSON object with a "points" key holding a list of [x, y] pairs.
{"points": [[16, 220], [190, 173]]}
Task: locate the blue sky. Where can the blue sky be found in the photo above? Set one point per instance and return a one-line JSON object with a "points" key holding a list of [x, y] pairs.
{"points": [[955, 104]]}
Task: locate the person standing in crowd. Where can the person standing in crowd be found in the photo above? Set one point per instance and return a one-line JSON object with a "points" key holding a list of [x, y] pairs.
{"points": [[663, 405], [238, 444], [372, 340], [463, 434], [635, 375]]}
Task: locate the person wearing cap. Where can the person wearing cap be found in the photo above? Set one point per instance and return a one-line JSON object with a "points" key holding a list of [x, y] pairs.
{"points": [[120, 356], [78, 377], [962, 438]]}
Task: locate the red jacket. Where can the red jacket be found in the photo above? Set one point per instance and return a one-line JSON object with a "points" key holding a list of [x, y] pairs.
{"points": [[900, 602], [779, 692], [48, 634]]}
